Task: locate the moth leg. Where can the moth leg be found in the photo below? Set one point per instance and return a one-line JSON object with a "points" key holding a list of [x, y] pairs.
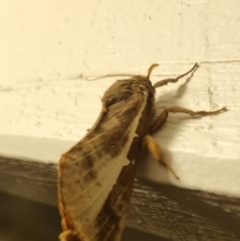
{"points": [[159, 122], [174, 80], [155, 150], [68, 235], [175, 109]]}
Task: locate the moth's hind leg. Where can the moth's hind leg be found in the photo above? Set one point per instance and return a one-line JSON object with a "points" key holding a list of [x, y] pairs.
{"points": [[68, 235], [156, 125], [155, 150], [174, 80]]}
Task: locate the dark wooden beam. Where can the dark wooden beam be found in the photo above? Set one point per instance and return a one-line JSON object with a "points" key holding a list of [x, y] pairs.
{"points": [[170, 212]]}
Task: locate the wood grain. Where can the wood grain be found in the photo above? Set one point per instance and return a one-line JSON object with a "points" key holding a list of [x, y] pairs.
{"points": [[183, 214], [28, 179], [170, 212]]}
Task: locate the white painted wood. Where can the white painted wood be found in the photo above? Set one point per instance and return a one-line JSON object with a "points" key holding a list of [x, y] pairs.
{"points": [[45, 46]]}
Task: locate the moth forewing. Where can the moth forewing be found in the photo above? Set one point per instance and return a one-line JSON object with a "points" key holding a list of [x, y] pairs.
{"points": [[96, 176]]}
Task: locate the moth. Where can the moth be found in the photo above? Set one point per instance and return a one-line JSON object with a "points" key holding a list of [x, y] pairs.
{"points": [[96, 175]]}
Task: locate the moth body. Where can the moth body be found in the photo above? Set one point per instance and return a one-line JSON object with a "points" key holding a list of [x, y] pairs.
{"points": [[96, 175]]}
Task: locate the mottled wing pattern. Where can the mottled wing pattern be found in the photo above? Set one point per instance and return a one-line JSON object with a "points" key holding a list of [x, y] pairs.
{"points": [[97, 174]]}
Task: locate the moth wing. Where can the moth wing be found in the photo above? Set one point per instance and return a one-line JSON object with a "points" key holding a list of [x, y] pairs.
{"points": [[97, 175]]}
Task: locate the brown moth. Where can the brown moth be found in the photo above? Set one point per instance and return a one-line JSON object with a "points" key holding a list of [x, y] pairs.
{"points": [[96, 175]]}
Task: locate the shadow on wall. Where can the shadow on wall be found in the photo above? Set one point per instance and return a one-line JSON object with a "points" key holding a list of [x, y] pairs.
{"points": [[24, 220]]}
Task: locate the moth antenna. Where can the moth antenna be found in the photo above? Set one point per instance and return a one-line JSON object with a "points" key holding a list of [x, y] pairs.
{"points": [[195, 66], [174, 80], [110, 75], [150, 70]]}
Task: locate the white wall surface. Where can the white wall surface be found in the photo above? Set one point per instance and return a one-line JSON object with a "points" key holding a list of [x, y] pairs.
{"points": [[50, 49]]}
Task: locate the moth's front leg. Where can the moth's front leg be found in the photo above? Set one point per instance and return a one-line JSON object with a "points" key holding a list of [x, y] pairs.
{"points": [[160, 121], [155, 150]]}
